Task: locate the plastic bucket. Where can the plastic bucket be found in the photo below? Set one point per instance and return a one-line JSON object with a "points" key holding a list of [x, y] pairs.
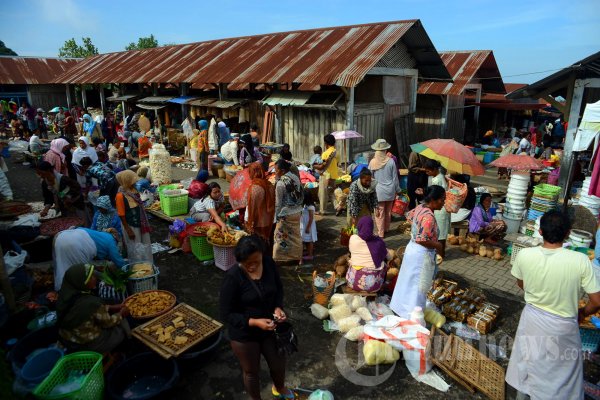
{"points": [[488, 157], [35, 340], [143, 376], [512, 223], [40, 364], [202, 352]]}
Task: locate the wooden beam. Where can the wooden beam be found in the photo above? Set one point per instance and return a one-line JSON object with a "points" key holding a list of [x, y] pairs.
{"points": [[570, 88], [592, 83], [573, 119], [393, 71]]}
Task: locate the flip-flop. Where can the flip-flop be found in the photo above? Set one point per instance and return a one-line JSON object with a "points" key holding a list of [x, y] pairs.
{"points": [[277, 395]]}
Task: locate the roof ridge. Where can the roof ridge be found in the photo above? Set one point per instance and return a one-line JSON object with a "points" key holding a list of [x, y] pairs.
{"points": [[48, 58]]}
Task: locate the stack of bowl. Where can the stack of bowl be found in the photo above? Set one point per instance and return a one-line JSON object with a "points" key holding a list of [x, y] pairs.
{"points": [[590, 202], [545, 198], [515, 201]]}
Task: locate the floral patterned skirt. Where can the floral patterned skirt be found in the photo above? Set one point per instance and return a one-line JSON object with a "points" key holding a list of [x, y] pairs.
{"points": [[362, 279], [287, 240]]}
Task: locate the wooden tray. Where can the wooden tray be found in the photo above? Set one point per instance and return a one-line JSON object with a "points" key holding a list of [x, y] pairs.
{"points": [[203, 325], [467, 365]]}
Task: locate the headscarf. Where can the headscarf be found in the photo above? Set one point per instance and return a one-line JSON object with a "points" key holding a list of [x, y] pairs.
{"points": [[223, 131], [203, 125], [76, 304], [248, 144], [257, 174], [202, 176], [375, 244], [57, 146], [104, 220], [379, 160], [80, 153], [127, 180], [88, 124]]}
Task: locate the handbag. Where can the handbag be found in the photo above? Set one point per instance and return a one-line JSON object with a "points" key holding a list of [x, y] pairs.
{"points": [[285, 338]]}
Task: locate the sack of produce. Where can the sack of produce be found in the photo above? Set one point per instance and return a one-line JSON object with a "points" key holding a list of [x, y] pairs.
{"points": [[377, 352]]}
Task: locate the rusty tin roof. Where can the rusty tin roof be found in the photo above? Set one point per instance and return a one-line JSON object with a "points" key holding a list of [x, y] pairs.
{"points": [[327, 56], [467, 67], [32, 70]]}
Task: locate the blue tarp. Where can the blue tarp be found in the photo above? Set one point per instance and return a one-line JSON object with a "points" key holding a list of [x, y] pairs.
{"points": [[183, 99]]}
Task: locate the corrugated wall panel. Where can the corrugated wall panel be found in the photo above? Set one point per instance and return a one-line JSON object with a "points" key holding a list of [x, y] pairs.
{"points": [[455, 125]]}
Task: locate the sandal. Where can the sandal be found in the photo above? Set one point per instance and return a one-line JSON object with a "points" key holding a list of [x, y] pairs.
{"points": [[277, 395]]}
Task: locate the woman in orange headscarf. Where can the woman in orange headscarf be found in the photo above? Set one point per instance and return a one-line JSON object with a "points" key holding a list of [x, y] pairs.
{"points": [[260, 209]]}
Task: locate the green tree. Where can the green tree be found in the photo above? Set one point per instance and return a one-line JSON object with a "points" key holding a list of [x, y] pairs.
{"points": [[5, 51], [72, 49], [148, 42]]}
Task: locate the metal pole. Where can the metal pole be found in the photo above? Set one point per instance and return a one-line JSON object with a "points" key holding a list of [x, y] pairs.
{"points": [[68, 91], [83, 99], [573, 120], [349, 120], [102, 98]]}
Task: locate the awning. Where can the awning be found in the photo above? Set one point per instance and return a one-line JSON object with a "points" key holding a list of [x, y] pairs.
{"points": [[155, 99], [201, 102], [510, 106], [226, 103], [286, 98], [183, 99], [151, 106], [125, 97]]}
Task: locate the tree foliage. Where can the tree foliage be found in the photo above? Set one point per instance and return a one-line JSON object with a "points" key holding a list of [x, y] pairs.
{"points": [[72, 49], [5, 51], [148, 42]]}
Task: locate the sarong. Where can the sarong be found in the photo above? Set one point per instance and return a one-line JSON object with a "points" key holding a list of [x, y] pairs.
{"points": [[546, 361], [414, 279], [287, 240]]}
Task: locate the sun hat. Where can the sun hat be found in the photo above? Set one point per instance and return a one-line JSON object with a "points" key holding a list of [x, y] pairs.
{"points": [[489, 133], [40, 110], [381, 144]]}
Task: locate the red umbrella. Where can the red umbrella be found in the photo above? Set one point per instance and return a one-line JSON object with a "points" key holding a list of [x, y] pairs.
{"points": [[517, 162], [453, 156], [238, 189]]}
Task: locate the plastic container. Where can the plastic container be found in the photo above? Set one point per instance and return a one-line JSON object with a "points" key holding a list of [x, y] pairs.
{"points": [[203, 351], [403, 182], [512, 223], [488, 157], [224, 257], [160, 164], [92, 386], [174, 202], [590, 338], [29, 343], [136, 285], [40, 364], [417, 315], [143, 376], [579, 238]]}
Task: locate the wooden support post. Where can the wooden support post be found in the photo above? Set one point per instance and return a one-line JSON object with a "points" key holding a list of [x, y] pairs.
{"points": [[183, 91], [443, 125], [68, 92], [83, 99], [102, 98], [349, 120], [573, 120]]}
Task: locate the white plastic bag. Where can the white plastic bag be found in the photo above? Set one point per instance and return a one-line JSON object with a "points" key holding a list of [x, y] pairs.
{"points": [[140, 252], [14, 260]]}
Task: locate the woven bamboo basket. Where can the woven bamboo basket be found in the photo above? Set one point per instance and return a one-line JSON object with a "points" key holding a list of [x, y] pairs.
{"points": [[322, 295]]}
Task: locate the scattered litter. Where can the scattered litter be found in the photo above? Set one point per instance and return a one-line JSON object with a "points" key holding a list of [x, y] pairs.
{"points": [[496, 352], [463, 330], [158, 248]]}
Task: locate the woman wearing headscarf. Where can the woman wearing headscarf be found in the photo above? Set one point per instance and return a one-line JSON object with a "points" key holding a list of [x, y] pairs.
{"points": [[482, 222], [386, 174], [289, 198], [223, 132], [203, 148], [91, 129], [362, 199], [248, 153], [106, 216], [136, 227], [56, 155], [418, 265], [260, 209], [84, 150], [69, 128], [85, 323], [213, 137], [285, 152], [368, 256]]}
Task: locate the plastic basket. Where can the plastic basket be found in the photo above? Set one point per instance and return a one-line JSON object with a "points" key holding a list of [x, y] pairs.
{"points": [[162, 188], [88, 362], [136, 285], [224, 256], [590, 339], [201, 248], [400, 205], [516, 248], [174, 204], [322, 295], [454, 201]]}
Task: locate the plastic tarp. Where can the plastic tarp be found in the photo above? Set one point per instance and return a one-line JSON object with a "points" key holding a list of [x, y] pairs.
{"points": [[589, 128]]}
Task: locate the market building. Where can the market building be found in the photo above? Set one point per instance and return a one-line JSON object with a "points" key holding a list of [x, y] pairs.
{"points": [[31, 79], [298, 86]]}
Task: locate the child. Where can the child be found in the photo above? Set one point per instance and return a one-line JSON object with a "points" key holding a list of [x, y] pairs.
{"points": [[315, 159], [308, 226]]}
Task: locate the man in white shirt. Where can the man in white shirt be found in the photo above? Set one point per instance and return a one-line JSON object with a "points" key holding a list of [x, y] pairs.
{"points": [[546, 360], [229, 151]]}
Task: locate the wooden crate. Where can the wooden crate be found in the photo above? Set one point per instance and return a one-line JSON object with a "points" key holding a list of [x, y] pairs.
{"points": [[203, 325], [465, 364]]}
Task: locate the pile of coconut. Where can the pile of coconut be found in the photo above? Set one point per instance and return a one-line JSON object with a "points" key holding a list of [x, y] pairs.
{"points": [[472, 245]]}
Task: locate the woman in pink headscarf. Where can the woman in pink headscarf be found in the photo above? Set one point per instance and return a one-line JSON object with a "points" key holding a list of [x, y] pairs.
{"points": [[56, 157]]}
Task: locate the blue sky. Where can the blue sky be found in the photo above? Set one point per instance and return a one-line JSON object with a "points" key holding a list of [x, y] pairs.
{"points": [[526, 36]]}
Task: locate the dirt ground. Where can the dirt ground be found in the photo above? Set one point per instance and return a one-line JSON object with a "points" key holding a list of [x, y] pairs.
{"points": [[314, 366]]}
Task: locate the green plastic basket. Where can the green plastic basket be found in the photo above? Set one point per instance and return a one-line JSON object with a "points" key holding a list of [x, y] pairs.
{"points": [[162, 188], [201, 248], [174, 205], [545, 189], [88, 362]]}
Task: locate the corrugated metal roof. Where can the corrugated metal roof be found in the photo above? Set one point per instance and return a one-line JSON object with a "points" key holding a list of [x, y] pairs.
{"points": [[125, 97], [156, 99], [201, 102], [151, 106], [589, 67], [183, 99], [327, 56], [226, 103], [465, 67], [33, 70]]}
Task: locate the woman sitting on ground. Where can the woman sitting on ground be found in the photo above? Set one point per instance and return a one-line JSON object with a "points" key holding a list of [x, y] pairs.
{"points": [[481, 222], [368, 256], [85, 323], [210, 207]]}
